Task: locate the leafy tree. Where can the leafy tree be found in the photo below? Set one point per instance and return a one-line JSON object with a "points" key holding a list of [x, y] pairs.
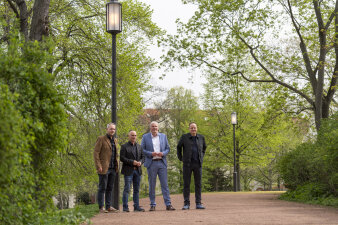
{"points": [[263, 131], [292, 44], [178, 109]]}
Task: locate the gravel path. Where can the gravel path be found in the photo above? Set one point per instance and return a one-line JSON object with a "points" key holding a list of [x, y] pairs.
{"points": [[226, 208]]}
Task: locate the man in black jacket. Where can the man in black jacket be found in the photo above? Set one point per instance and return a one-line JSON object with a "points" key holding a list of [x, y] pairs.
{"points": [[193, 146], [132, 157]]}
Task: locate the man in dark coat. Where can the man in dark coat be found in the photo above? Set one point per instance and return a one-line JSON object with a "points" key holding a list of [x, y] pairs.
{"points": [[132, 157], [191, 149]]}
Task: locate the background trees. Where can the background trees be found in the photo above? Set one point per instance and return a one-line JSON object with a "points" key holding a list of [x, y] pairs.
{"points": [[56, 67], [292, 44]]}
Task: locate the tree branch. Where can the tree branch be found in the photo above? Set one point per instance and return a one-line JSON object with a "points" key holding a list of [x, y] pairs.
{"points": [[303, 48], [15, 10]]}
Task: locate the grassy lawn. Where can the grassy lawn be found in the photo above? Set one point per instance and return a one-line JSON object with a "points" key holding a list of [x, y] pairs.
{"points": [[77, 215]]}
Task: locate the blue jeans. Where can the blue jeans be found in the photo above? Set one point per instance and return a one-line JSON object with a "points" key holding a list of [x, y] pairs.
{"points": [[135, 178], [106, 185]]}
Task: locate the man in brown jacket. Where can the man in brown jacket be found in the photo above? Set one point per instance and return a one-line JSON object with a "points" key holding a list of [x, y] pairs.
{"points": [[106, 163]]}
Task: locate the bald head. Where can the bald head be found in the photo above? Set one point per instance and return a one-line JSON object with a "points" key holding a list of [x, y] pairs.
{"points": [[132, 136]]}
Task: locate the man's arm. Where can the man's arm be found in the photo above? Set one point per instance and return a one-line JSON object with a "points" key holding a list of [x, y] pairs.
{"points": [[123, 156], [204, 145], [167, 147], [142, 157], [97, 151], [179, 148], [146, 152]]}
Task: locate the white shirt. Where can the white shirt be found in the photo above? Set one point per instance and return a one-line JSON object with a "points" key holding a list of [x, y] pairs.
{"points": [[156, 145]]}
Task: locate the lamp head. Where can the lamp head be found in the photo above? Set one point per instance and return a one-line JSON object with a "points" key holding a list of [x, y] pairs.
{"points": [[113, 17], [234, 118]]}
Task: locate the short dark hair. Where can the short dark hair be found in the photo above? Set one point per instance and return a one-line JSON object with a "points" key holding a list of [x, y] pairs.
{"points": [[192, 123]]}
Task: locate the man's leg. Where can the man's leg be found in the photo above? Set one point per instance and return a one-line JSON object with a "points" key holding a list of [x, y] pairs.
{"points": [[101, 189], [152, 173], [186, 184], [136, 188], [109, 189], [126, 190], [162, 174], [197, 169]]}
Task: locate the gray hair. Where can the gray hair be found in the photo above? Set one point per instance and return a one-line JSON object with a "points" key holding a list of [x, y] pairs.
{"points": [[152, 123], [109, 124]]}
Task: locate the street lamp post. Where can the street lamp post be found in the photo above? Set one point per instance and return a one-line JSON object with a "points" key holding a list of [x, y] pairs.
{"points": [[234, 122], [114, 26]]}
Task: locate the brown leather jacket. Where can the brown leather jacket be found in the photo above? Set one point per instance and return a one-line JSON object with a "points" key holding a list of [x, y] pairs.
{"points": [[102, 154]]}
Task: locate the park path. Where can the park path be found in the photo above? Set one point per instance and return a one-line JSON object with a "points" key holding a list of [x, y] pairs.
{"points": [[249, 208]]}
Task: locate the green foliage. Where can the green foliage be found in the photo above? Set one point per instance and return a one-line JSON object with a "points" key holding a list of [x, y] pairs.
{"points": [[33, 134], [16, 178], [268, 42], [179, 108], [77, 215], [310, 171], [312, 193]]}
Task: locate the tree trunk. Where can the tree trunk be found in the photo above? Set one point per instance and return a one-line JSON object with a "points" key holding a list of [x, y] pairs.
{"points": [[40, 23]]}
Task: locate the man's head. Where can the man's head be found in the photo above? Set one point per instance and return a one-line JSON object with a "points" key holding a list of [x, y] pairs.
{"points": [[154, 128], [193, 129], [111, 129], [132, 136]]}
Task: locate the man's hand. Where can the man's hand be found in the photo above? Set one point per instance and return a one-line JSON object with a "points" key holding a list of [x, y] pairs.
{"points": [[154, 154], [160, 154], [100, 169], [135, 163]]}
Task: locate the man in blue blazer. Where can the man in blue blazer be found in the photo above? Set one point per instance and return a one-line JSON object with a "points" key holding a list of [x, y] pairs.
{"points": [[155, 148]]}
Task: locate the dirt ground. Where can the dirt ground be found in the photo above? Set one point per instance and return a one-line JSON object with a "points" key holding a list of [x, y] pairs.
{"points": [[225, 208]]}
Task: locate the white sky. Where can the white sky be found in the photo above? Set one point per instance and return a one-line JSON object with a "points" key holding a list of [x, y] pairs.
{"points": [[165, 13]]}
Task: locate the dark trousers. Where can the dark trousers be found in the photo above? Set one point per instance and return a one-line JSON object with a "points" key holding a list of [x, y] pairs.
{"points": [[106, 185], [134, 178], [187, 170]]}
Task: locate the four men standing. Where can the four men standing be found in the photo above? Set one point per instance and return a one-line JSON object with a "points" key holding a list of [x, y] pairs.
{"points": [[152, 152]]}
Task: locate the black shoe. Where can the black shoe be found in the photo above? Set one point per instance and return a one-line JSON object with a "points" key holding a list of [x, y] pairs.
{"points": [[152, 208], [139, 209], [199, 206], [186, 207], [170, 208], [126, 210]]}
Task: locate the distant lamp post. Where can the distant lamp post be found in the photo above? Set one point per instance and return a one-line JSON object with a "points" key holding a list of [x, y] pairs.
{"points": [[234, 122], [114, 26]]}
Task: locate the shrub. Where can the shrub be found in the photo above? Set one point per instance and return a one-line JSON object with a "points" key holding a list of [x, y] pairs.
{"points": [[32, 129], [311, 170]]}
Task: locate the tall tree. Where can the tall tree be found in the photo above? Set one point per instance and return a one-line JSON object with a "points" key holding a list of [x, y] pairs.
{"points": [[178, 109], [262, 133], [289, 43]]}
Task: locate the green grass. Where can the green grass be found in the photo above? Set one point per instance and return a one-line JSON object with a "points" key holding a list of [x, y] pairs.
{"points": [[304, 197], [75, 216]]}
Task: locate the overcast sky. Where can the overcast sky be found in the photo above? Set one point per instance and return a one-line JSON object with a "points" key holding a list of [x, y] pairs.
{"points": [[165, 14]]}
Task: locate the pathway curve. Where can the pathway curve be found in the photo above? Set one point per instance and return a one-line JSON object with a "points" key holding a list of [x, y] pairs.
{"points": [[249, 208]]}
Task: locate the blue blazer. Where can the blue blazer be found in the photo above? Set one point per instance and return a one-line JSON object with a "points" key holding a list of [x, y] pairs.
{"points": [[148, 148]]}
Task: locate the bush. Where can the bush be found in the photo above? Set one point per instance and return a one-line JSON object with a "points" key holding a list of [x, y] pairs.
{"points": [[311, 170], [32, 130]]}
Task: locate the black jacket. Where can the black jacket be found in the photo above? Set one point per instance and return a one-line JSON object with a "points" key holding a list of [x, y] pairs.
{"points": [[127, 156], [185, 144]]}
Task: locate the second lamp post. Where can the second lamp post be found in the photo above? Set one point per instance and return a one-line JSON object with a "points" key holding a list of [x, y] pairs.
{"points": [[234, 122]]}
